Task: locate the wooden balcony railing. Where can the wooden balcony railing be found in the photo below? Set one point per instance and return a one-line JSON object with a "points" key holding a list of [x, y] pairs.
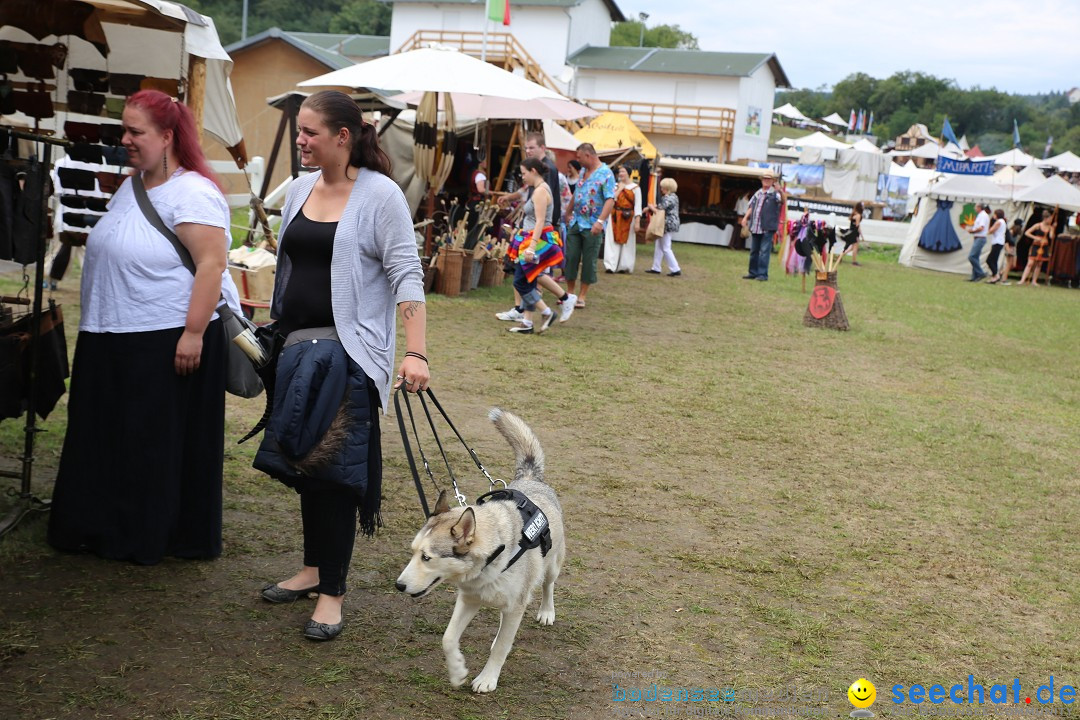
{"points": [[690, 120], [503, 49]]}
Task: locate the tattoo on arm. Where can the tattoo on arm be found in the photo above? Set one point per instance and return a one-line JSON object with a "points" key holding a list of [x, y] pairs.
{"points": [[411, 308]]}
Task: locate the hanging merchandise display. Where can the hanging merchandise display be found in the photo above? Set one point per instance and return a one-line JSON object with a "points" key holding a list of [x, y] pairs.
{"points": [[66, 69]]}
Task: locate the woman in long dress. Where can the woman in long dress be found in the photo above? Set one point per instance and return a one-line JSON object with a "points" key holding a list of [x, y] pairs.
{"points": [[620, 235]]}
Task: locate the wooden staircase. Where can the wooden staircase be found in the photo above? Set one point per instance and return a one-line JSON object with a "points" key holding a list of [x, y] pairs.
{"points": [[503, 50]]}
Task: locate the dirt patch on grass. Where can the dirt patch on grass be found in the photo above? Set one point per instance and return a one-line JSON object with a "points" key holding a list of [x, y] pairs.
{"points": [[749, 504]]}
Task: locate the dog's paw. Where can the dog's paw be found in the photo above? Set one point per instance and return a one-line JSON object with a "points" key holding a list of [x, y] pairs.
{"points": [[485, 682], [546, 616], [457, 670]]}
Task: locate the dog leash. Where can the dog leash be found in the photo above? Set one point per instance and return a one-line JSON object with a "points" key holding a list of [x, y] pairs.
{"points": [[462, 500]]}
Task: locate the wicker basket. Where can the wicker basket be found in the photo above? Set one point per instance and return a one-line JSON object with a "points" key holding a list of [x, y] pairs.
{"points": [[448, 278], [835, 318], [491, 274]]}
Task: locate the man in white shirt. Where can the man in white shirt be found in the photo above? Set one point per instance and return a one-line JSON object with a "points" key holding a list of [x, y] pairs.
{"points": [[978, 229]]}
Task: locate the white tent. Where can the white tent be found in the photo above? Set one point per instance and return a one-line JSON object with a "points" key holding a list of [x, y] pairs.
{"points": [[960, 190], [1053, 191], [820, 140], [789, 111], [1016, 156], [786, 142], [557, 137], [1065, 162], [1006, 176], [835, 119], [1030, 176], [865, 145]]}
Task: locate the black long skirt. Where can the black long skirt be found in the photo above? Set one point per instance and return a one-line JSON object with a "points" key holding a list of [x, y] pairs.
{"points": [[140, 473]]}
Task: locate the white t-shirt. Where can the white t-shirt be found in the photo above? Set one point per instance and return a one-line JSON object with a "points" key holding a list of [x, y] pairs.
{"points": [[133, 279], [982, 221], [998, 237]]}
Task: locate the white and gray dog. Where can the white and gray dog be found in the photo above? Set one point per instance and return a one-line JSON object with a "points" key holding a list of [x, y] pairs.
{"points": [[496, 553]]}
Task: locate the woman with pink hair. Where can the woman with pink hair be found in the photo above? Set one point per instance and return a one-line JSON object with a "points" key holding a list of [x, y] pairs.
{"points": [[141, 470]]}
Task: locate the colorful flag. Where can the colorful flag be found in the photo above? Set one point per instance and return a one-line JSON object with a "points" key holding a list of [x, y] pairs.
{"points": [[851, 122], [947, 132], [859, 122], [1049, 145], [1016, 134], [870, 124], [499, 11]]}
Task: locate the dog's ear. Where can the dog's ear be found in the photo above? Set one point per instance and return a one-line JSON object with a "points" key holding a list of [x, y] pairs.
{"points": [[463, 532], [442, 504]]}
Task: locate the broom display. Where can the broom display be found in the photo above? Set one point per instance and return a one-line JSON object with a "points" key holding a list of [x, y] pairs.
{"points": [[826, 308]]}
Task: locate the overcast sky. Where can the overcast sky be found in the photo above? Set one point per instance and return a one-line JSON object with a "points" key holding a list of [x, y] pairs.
{"points": [[1013, 45]]}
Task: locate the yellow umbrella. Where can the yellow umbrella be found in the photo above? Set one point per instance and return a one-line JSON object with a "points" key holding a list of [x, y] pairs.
{"points": [[614, 130]]}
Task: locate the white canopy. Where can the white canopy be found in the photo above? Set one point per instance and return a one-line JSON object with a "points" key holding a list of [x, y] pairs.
{"points": [[1006, 176], [1065, 162], [786, 142], [820, 140], [1053, 191], [835, 119], [557, 137], [434, 69], [1016, 156], [1030, 176], [789, 111], [966, 187]]}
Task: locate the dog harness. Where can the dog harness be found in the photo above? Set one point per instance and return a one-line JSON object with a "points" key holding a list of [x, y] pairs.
{"points": [[535, 531]]}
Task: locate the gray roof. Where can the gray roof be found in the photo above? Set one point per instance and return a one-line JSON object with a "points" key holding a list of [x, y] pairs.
{"points": [[616, 13], [366, 46], [678, 62], [329, 58]]}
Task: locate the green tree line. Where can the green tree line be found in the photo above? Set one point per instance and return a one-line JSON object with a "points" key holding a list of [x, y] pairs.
{"points": [[362, 17], [985, 116]]}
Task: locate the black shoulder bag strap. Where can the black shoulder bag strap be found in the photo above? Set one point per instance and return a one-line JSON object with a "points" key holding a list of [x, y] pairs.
{"points": [[152, 216]]}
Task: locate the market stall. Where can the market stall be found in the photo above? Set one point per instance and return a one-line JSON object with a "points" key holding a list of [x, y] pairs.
{"points": [[68, 67], [711, 197]]}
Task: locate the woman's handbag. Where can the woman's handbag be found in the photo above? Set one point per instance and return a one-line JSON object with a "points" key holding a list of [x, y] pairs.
{"points": [[245, 352], [655, 230]]}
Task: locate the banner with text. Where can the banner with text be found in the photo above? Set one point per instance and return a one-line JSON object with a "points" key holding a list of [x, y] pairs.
{"points": [[965, 167]]}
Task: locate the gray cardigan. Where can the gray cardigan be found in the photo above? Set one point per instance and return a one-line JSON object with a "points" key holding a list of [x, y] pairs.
{"points": [[375, 267]]}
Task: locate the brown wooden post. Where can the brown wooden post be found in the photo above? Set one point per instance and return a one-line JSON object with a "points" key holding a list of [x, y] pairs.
{"points": [[196, 89], [514, 137], [428, 245]]}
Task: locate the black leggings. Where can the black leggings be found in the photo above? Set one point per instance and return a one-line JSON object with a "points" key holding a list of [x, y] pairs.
{"points": [[329, 515], [992, 259]]}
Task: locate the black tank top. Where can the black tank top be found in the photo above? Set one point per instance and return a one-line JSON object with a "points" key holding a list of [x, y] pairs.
{"points": [[309, 245]]}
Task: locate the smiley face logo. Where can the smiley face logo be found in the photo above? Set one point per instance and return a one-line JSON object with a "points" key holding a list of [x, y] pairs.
{"points": [[862, 693]]}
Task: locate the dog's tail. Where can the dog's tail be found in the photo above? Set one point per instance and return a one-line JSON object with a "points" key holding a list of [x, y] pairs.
{"points": [[530, 456]]}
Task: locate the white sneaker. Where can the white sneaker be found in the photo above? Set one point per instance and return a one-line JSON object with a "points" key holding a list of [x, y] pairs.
{"points": [[523, 329], [567, 308], [513, 315], [546, 322]]}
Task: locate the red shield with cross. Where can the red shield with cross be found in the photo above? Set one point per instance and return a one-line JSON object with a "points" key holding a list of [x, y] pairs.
{"points": [[821, 301]]}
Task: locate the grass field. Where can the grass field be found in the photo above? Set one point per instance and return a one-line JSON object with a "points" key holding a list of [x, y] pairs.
{"points": [[750, 504]]}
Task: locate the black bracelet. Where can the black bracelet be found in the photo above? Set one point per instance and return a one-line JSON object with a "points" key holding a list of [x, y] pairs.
{"points": [[410, 353]]}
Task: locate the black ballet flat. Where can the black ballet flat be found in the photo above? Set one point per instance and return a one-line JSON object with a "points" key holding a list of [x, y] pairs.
{"points": [[276, 594], [321, 632]]}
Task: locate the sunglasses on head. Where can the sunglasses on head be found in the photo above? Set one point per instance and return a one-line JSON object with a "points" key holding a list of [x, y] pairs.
{"points": [[78, 202], [93, 133]]}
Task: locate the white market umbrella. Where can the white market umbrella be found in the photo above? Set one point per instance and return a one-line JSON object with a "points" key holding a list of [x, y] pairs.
{"points": [[1016, 156], [499, 108], [434, 69], [1067, 161]]}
